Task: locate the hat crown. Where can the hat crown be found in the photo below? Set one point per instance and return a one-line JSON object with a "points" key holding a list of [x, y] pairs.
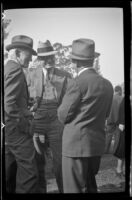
{"points": [[83, 49], [22, 39], [45, 48], [44, 44]]}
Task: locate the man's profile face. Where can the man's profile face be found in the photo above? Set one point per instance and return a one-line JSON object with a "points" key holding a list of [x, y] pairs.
{"points": [[25, 57]]}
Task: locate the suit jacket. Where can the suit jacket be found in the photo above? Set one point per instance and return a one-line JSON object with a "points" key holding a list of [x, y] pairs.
{"points": [[59, 81], [15, 96], [84, 109]]}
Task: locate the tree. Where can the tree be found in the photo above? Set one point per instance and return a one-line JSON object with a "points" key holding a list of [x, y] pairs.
{"points": [[63, 57], [5, 24], [5, 33]]}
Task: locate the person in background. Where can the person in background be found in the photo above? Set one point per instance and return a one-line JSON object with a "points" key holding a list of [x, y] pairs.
{"points": [[50, 87], [83, 111], [120, 150], [111, 122], [19, 147]]}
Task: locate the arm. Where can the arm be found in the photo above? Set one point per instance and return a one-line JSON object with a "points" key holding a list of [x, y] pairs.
{"points": [[13, 84], [109, 111], [70, 102], [67, 79]]}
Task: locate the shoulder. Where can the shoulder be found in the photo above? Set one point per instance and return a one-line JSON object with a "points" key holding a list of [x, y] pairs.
{"points": [[12, 67], [73, 85], [12, 64], [108, 83], [62, 73]]}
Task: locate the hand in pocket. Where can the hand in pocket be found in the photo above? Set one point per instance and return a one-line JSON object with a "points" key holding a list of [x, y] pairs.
{"points": [[23, 125]]}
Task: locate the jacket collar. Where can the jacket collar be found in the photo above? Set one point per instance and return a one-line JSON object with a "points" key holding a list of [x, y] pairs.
{"points": [[84, 69]]}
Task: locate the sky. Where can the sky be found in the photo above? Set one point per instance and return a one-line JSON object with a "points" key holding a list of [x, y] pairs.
{"points": [[63, 25]]}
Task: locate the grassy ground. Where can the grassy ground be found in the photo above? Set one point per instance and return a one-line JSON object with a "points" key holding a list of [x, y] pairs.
{"points": [[107, 180]]}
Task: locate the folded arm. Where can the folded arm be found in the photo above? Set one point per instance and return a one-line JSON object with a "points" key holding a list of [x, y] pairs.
{"points": [[70, 102]]}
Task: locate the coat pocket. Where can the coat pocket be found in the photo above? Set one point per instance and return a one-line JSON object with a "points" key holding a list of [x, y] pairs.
{"points": [[23, 125]]}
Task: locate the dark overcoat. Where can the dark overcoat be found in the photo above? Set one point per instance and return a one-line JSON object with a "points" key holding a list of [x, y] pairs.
{"points": [[16, 97], [84, 109], [112, 120]]}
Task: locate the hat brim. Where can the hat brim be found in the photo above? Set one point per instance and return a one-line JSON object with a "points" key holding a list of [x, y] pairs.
{"points": [[47, 53], [82, 58], [13, 46]]}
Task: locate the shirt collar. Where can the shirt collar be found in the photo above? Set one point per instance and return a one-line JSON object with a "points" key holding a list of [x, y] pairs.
{"points": [[83, 69], [44, 71]]}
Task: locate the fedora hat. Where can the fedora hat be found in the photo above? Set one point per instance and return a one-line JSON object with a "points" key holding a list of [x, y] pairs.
{"points": [[45, 49], [83, 49], [21, 41]]}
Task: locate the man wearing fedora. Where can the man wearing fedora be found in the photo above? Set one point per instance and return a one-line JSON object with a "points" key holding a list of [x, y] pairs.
{"points": [[19, 146], [50, 86], [83, 112]]}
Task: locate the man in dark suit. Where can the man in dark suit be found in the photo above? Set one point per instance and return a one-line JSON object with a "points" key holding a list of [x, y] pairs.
{"points": [[83, 111], [19, 147], [120, 150], [50, 85]]}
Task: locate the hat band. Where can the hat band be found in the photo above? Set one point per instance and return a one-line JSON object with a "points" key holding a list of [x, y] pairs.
{"points": [[22, 43], [82, 56], [45, 49]]}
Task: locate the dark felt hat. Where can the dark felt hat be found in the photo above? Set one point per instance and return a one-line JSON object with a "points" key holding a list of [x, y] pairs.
{"points": [[45, 49], [83, 49], [21, 41]]}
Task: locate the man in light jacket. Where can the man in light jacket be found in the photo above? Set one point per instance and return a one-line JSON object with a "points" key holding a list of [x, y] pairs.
{"points": [[50, 86]]}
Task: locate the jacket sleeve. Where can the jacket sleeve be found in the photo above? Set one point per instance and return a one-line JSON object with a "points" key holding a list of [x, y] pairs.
{"points": [[13, 84], [111, 92], [71, 99]]}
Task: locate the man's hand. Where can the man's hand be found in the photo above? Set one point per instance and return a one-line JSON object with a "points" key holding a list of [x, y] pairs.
{"points": [[121, 127], [42, 138], [34, 107]]}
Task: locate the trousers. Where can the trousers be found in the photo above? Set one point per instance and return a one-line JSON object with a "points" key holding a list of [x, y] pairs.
{"points": [[52, 129], [20, 160], [79, 174]]}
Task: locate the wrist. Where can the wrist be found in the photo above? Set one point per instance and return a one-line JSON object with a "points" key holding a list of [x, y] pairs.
{"points": [[121, 127]]}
